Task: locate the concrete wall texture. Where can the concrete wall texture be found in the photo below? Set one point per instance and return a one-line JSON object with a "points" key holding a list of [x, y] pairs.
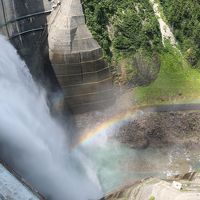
{"points": [[52, 37], [25, 23]]}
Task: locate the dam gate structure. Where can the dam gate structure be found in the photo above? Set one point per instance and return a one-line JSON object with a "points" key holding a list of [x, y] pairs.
{"points": [[54, 40]]}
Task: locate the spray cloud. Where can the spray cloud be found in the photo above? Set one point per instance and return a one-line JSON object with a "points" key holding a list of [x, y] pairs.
{"points": [[32, 141]]}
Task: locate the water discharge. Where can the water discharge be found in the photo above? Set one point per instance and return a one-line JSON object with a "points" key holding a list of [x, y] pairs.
{"points": [[32, 141], [36, 145]]}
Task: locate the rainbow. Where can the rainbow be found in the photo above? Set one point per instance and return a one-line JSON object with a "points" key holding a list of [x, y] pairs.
{"points": [[117, 119]]}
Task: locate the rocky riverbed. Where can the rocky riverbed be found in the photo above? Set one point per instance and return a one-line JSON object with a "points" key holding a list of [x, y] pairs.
{"points": [[162, 129]]}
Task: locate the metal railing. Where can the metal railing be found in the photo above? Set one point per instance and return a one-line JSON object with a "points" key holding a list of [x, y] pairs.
{"points": [[7, 22], [25, 32], [23, 17]]}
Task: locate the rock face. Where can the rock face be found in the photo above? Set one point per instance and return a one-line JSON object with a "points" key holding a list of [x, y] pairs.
{"points": [[53, 39], [77, 60], [156, 189]]}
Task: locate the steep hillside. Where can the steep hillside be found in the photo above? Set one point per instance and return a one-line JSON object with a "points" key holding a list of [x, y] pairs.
{"points": [[152, 46], [123, 26], [184, 19]]}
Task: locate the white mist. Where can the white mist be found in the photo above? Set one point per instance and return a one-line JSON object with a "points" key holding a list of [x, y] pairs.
{"points": [[32, 140]]}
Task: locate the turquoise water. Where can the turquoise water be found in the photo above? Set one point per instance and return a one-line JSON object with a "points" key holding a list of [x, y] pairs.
{"points": [[117, 164]]}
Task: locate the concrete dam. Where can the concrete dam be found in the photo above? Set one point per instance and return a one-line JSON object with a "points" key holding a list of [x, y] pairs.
{"points": [[53, 39]]}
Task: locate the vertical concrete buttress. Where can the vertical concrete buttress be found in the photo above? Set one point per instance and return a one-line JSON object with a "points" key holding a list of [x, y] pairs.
{"points": [[77, 60]]}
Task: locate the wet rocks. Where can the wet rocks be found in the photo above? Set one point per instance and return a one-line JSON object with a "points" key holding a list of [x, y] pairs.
{"points": [[162, 129]]}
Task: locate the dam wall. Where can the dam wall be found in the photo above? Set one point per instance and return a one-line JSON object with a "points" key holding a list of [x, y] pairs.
{"points": [[25, 23], [53, 39], [77, 60]]}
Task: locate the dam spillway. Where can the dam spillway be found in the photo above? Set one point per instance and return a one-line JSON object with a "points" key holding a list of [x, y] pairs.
{"points": [[53, 39], [32, 141]]}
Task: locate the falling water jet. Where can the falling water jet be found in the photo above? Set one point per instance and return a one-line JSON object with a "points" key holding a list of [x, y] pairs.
{"points": [[32, 141]]}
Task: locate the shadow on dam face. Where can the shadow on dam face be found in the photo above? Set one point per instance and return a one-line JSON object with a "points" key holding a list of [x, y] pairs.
{"points": [[79, 72], [25, 24]]}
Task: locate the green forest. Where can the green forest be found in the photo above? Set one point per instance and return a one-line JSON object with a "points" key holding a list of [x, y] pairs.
{"points": [[130, 35], [123, 26], [184, 19]]}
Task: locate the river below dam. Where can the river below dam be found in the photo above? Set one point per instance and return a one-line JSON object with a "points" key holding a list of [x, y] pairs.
{"points": [[117, 163]]}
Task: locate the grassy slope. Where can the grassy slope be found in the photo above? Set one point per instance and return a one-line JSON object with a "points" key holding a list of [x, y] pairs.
{"points": [[177, 81]]}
